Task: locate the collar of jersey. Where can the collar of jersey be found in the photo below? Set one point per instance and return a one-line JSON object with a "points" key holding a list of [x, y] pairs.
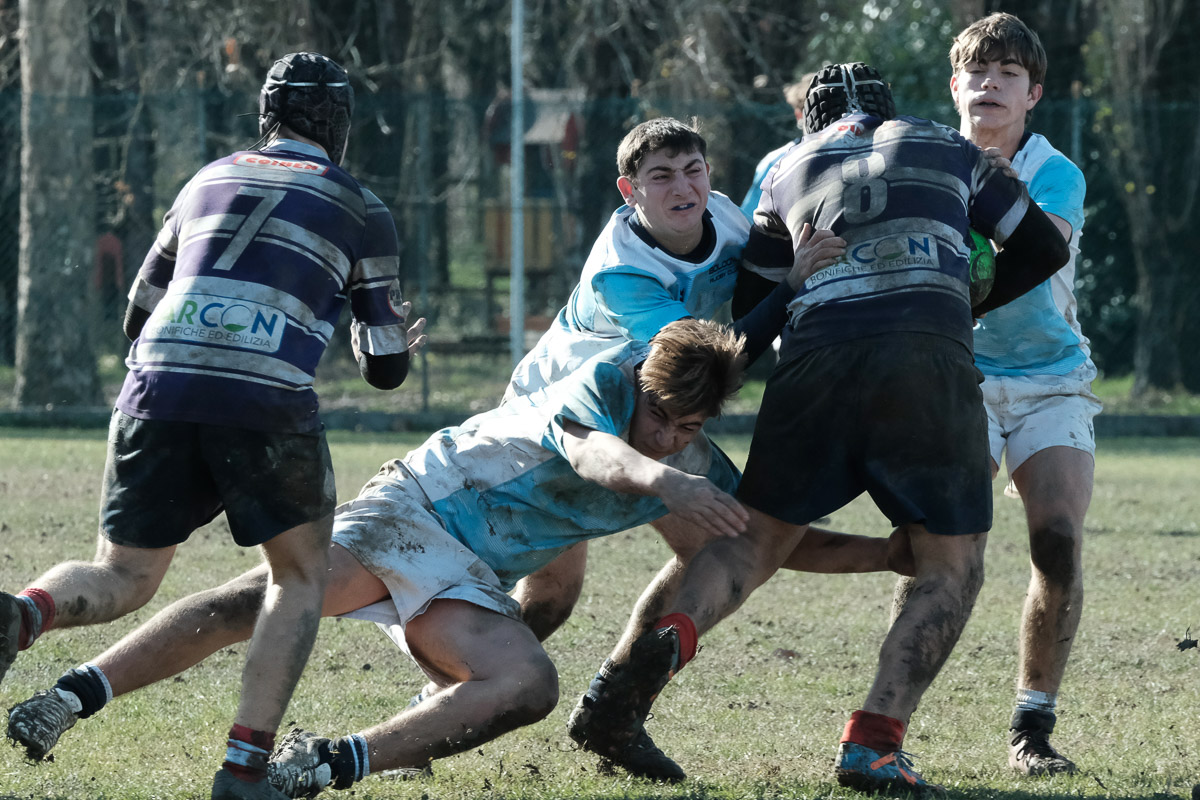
{"points": [[292, 146], [698, 255]]}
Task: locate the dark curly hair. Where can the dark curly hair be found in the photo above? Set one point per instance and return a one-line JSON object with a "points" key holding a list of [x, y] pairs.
{"points": [[662, 133]]}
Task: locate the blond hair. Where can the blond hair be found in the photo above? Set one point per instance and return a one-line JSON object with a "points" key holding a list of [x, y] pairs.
{"points": [[794, 93], [694, 366]]}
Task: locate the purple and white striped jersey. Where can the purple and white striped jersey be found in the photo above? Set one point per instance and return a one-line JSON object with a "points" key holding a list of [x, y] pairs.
{"points": [[244, 286], [902, 193]]}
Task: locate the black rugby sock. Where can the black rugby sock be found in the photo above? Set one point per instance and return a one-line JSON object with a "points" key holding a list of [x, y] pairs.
{"points": [[88, 684], [347, 759]]}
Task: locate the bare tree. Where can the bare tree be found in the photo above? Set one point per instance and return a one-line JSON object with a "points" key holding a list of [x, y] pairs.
{"points": [[1160, 177], [55, 366], [10, 174]]}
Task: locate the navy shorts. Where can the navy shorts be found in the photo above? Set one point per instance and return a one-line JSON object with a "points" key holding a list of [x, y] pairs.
{"points": [[163, 479], [899, 416]]}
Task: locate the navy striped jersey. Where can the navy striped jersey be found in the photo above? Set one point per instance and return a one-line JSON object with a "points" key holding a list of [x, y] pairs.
{"points": [[903, 194], [244, 286]]}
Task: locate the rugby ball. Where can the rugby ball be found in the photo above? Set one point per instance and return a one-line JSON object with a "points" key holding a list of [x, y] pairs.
{"points": [[982, 266]]}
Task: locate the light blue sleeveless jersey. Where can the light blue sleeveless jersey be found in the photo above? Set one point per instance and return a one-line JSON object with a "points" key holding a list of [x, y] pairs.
{"points": [[630, 288], [502, 485], [1039, 333]]}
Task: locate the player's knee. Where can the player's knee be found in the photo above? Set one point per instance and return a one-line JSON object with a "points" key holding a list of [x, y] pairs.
{"points": [[964, 575], [532, 690], [300, 556], [300, 575], [1052, 550], [236, 604], [132, 588], [750, 560]]}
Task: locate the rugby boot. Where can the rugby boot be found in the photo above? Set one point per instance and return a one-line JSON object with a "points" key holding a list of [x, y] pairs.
{"points": [[642, 758], [865, 770], [613, 711], [1029, 749], [226, 786], [300, 766], [37, 723]]}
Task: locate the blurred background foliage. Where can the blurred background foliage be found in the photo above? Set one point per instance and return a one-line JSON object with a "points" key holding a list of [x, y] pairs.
{"points": [[108, 106]]}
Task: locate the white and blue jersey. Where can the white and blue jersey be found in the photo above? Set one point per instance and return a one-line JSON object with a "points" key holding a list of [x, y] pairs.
{"points": [[750, 201], [244, 286], [500, 482], [903, 194], [1039, 332], [631, 287]]}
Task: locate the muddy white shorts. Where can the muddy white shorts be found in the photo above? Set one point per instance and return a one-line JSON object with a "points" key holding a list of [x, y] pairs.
{"points": [[394, 533], [1030, 413]]}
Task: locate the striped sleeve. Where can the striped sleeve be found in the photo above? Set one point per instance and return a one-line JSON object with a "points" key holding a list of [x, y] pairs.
{"points": [[375, 293]]}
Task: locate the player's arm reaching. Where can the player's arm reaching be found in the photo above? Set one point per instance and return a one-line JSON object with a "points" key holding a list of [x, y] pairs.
{"points": [[156, 271], [613, 463], [772, 272], [388, 371], [379, 332], [640, 306]]}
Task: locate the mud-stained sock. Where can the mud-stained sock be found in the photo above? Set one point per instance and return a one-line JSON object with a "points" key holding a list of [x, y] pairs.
{"points": [[881, 733], [85, 689], [348, 760], [247, 753], [689, 640], [37, 615], [1034, 711], [1033, 700]]}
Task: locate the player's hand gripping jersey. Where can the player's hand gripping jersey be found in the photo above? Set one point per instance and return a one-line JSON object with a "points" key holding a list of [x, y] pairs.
{"points": [[902, 194], [630, 288], [245, 284]]}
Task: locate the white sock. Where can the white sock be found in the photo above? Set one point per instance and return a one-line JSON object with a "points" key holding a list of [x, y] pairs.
{"points": [[1033, 700]]}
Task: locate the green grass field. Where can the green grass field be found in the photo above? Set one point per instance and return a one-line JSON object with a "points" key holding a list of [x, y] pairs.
{"points": [[473, 382], [757, 714]]}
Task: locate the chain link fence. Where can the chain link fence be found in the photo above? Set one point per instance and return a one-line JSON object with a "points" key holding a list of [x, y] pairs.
{"points": [[441, 165]]}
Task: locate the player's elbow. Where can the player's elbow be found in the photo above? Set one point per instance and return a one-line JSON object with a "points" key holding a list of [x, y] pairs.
{"points": [[1059, 252], [135, 320]]}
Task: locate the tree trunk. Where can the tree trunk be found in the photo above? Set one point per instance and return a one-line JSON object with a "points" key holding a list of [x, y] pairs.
{"points": [[1159, 176], [1156, 361], [55, 364]]}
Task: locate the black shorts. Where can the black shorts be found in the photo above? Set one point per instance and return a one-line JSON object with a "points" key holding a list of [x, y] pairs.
{"points": [[898, 416], [164, 479]]}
